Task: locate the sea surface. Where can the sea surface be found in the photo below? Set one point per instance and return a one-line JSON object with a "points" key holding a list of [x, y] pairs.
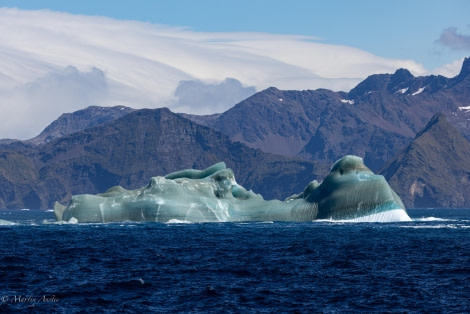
{"points": [[422, 266]]}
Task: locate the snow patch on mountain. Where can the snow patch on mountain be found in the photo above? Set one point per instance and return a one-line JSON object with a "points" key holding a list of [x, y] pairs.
{"points": [[419, 91], [402, 91], [466, 109], [347, 101]]}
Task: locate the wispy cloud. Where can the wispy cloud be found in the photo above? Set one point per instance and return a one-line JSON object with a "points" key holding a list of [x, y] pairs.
{"points": [[54, 62], [452, 39]]}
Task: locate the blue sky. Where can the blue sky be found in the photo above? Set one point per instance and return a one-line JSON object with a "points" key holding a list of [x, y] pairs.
{"points": [[205, 56]]}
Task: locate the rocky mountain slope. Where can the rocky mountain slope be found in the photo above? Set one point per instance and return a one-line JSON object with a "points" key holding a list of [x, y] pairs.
{"points": [[72, 122], [434, 169], [375, 120], [69, 123], [130, 150]]}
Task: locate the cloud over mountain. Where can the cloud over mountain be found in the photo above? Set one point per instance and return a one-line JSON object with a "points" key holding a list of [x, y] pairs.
{"points": [[51, 61], [30, 105], [210, 98]]}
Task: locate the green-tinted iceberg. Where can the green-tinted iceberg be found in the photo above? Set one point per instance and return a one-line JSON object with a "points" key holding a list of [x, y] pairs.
{"points": [[349, 192]]}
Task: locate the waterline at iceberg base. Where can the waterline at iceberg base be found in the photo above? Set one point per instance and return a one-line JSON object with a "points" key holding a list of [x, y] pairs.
{"points": [[351, 191]]}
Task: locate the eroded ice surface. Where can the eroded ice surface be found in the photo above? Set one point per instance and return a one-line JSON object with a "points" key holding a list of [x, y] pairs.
{"points": [[349, 192]]}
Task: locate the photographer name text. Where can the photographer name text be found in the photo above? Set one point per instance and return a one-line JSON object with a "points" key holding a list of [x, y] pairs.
{"points": [[28, 299]]}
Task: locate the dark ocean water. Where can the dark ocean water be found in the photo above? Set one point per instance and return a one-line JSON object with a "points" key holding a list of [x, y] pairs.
{"points": [[419, 266]]}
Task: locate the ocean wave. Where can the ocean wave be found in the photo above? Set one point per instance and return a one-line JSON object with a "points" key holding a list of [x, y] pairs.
{"points": [[439, 226], [427, 219], [178, 221]]}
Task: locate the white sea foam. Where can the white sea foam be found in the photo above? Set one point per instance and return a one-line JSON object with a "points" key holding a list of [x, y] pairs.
{"points": [[73, 220], [440, 226], [254, 222], [430, 219], [394, 215], [54, 222], [178, 221]]}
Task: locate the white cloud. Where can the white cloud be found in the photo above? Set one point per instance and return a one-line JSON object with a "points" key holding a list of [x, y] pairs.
{"points": [[451, 69], [33, 105], [209, 98], [140, 65]]}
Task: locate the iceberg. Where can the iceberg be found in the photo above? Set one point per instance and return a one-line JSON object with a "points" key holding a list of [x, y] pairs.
{"points": [[349, 192], [6, 223]]}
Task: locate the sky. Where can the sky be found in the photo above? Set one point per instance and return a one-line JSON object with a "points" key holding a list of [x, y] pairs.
{"points": [[205, 56]]}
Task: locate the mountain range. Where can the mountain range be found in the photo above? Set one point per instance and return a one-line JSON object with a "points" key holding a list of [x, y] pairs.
{"points": [[413, 130], [375, 120]]}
